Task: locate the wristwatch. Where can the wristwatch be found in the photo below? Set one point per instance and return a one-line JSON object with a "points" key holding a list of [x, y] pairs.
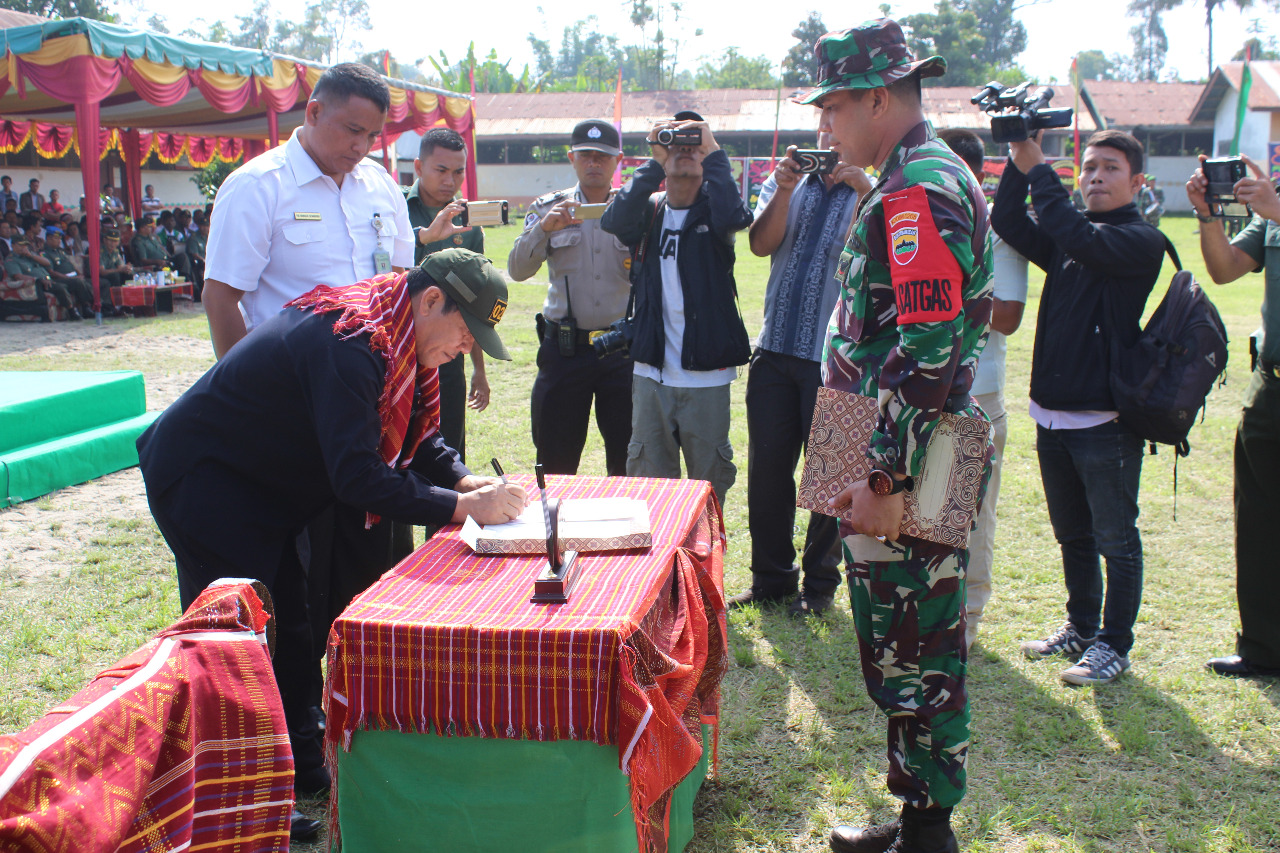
{"points": [[882, 483]]}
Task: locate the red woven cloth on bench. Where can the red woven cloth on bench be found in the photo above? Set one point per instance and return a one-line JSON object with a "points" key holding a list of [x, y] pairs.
{"points": [[448, 641], [180, 746]]}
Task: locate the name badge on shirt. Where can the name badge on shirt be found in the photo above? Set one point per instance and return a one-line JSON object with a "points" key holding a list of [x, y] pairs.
{"points": [[381, 261], [306, 217]]}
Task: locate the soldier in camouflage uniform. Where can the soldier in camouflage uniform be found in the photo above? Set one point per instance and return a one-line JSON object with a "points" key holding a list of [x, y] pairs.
{"points": [[911, 320]]}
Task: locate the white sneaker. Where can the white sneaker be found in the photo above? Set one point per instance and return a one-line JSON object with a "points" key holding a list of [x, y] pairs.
{"points": [[1065, 641], [1100, 665]]}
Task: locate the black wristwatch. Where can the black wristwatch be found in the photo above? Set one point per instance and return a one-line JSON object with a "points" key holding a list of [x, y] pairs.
{"points": [[883, 484]]}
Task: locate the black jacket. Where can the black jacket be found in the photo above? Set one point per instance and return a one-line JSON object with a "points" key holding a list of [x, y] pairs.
{"points": [[1101, 268], [714, 336], [289, 420]]}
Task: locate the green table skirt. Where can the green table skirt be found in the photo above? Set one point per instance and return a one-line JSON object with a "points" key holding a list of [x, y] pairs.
{"points": [[410, 792]]}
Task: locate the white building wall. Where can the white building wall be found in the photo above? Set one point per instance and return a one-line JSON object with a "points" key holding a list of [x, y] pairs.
{"points": [[521, 183], [1171, 176], [1254, 134]]}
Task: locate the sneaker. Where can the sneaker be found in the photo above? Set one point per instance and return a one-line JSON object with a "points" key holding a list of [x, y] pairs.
{"points": [[1100, 665], [1064, 641]]}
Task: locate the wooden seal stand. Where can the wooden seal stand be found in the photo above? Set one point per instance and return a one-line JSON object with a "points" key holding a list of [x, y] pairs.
{"points": [[555, 580]]}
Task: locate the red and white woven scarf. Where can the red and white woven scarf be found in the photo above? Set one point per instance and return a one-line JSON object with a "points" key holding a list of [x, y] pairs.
{"points": [[379, 306]]}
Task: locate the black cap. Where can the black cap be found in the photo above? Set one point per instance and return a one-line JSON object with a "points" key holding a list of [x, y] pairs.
{"points": [[596, 135], [688, 115]]}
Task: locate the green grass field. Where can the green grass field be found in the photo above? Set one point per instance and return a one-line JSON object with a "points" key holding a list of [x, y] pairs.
{"points": [[1169, 758]]}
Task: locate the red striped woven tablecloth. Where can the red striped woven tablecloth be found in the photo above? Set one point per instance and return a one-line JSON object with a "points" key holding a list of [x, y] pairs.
{"points": [[448, 641], [179, 746]]}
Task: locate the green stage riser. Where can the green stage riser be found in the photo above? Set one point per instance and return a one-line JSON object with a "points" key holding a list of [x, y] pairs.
{"points": [[34, 471], [40, 406], [411, 792]]}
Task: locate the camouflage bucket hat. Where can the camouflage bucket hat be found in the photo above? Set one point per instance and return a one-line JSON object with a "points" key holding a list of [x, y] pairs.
{"points": [[866, 57]]}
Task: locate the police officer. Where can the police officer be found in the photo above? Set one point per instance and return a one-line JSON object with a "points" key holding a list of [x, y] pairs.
{"points": [[589, 291], [63, 271]]}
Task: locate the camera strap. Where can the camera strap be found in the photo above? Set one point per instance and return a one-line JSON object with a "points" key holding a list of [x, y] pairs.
{"points": [[641, 250]]}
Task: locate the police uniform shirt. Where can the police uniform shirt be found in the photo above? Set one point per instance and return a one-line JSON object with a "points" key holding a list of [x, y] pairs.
{"points": [[281, 227], [421, 215], [594, 261]]}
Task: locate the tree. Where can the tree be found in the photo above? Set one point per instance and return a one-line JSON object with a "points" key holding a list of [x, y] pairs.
{"points": [[953, 34], [491, 75], [1150, 43], [211, 177], [1003, 35], [734, 71], [655, 58], [800, 66], [1095, 65], [374, 58], [98, 10]]}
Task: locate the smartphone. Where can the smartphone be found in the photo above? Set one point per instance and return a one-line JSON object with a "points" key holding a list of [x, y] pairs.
{"points": [[589, 211], [817, 161], [484, 213]]}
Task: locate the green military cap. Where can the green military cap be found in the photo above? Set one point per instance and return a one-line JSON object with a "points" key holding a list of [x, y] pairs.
{"points": [[21, 241], [110, 234], [478, 288], [868, 56]]}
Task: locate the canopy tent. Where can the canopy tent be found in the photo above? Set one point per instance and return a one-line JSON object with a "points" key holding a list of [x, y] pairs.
{"points": [[110, 81]]}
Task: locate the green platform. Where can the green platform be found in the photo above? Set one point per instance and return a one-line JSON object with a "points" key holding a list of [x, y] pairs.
{"points": [[59, 428], [412, 792]]}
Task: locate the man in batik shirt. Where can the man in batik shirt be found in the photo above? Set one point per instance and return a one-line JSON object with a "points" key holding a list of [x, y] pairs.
{"points": [[911, 320]]}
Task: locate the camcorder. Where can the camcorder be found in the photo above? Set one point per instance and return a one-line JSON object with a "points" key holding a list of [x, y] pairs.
{"points": [[815, 161], [690, 136], [1222, 174], [484, 212], [617, 338], [1017, 113]]}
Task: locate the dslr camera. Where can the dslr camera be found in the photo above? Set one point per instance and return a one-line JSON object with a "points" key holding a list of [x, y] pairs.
{"points": [[484, 212], [816, 161], [1017, 113], [1222, 174], [617, 338], [669, 136]]}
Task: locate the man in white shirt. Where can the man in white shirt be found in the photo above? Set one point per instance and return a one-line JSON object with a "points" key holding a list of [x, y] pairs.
{"points": [[312, 211]]}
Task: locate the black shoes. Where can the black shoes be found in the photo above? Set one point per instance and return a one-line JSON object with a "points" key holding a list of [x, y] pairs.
{"points": [[809, 604], [755, 596], [917, 831], [1234, 665], [311, 783], [872, 839], [303, 828]]}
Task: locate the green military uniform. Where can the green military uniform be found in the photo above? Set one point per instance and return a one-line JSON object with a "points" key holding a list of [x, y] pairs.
{"points": [[110, 259], [75, 284], [910, 322], [16, 265], [197, 250], [149, 249], [453, 379]]}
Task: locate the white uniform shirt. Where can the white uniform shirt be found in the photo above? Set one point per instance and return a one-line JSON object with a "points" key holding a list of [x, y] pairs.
{"points": [[280, 228]]}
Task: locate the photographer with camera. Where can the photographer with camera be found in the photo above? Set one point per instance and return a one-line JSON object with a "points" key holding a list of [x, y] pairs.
{"points": [[802, 216], [688, 335], [1257, 453], [588, 293], [1101, 266]]}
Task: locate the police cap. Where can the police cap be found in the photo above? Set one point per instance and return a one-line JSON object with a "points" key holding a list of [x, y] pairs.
{"points": [[596, 135]]}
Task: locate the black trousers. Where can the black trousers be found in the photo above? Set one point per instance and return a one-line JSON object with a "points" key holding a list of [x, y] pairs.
{"points": [[561, 407], [781, 392], [215, 531], [453, 406], [1257, 500]]}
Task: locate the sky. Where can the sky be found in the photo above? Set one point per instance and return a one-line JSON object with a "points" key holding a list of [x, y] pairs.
{"points": [[1056, 29]]}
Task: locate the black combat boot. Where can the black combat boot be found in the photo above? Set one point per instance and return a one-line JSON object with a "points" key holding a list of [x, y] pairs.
{"points": [[871, 839], [925, 831]]}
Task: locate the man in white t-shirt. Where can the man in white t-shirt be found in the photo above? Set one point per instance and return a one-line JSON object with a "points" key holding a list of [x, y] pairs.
{"points": [[310, 212], [1009, 289], [688, 337]]}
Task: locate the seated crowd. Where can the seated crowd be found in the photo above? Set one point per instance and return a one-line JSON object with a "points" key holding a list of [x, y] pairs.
{"points": [[44, 244]]}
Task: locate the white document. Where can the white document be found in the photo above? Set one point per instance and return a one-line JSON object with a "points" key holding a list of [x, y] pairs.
{"points": [[583, 518]]}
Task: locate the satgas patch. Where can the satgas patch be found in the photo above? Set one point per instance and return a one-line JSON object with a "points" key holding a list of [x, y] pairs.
{"points": [[927, 282]]}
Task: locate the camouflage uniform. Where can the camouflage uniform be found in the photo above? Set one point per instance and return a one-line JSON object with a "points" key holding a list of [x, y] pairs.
{"points": [[110, 259], [76, 286], [912, 318]]}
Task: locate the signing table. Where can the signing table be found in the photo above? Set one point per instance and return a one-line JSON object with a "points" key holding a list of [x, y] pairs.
{"points": [[463, 717]]}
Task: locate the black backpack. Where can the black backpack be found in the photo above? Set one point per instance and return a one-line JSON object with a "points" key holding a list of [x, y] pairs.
{"points": [[1161, 382]]}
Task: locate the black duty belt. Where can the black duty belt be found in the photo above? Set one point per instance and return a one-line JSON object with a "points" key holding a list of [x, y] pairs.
{"points": [[581, 338]]}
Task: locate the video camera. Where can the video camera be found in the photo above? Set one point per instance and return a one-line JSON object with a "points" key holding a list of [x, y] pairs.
{"points": [[1017, 113], [671, 136], [1222, 174]]}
